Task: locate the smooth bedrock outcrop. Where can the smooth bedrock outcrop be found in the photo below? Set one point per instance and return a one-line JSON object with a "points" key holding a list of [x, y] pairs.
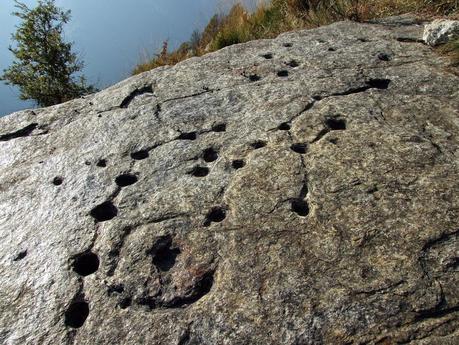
{"points": [[300, 190]]}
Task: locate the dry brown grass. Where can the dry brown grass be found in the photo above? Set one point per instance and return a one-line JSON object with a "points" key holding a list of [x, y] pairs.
{"points": [[269, 20]]}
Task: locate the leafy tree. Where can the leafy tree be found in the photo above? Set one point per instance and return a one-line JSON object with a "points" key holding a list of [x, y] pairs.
{"points": [[45, 66]]}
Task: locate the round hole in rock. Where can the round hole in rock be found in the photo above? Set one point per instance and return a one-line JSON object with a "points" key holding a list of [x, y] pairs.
{"points": [[86, 263], [331, 49], [139, 155], [267, 56], [335, 124], [125, 303], [101, 163], [283, 73], [300, 207], [384, 57], [287, 45], [293, 63], [124, 180], [381, 84], [187, 136], [210, 155], [254, 77], [285, 126], [258, 144], [21, 255], [57, 181], [103, 212], [76, 314], [221, 127], [216, 215], [165, 257], [198, 171], [238, 164], [300, 148]]}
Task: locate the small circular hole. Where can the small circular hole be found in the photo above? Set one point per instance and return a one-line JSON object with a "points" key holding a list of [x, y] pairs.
{"points": [[57, 181], [300, 207], [258, 144], [139, 155], [254, 77], [76, 314], [86, 263], [300, 148], [198, 171], [187, 136], [283, 73], [293, 63], [215, 215], [285, 126], [210, 155], [104, 212], [102, 163], [221, 127], [238, 164], [126, 180]]}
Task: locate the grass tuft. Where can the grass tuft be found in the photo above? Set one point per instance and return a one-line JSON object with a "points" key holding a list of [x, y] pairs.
{"points": [[269, 20]]}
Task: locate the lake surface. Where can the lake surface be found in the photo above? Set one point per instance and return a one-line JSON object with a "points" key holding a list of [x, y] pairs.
{"points": [[111, 36]]}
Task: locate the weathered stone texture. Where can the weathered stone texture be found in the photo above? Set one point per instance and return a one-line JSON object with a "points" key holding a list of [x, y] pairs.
{"points": [[301, 190], [441, 31]]}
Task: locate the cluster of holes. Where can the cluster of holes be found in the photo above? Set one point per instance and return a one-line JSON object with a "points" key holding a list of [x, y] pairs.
{"points": [[215, 215], [86, 263]]}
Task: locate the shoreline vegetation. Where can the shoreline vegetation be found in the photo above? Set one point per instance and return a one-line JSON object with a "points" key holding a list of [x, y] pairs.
{"points": [[269, 20]]}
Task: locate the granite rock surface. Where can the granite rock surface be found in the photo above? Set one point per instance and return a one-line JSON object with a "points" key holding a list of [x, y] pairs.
{"points": [[440, 31], [300, 190]]}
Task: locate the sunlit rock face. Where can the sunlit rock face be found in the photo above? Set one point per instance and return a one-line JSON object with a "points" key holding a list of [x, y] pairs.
{"points": [[300, 190]]}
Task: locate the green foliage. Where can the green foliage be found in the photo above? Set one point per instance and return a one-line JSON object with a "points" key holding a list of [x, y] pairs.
{"points": [[44, 64]]}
